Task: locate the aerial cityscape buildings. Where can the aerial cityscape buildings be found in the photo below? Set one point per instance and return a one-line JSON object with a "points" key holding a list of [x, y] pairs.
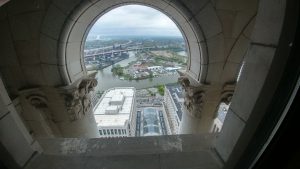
{"points": [[125, 112], [115, 113]]}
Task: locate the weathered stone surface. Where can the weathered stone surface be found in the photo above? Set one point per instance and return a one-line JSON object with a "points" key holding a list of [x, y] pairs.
{"points": [[27, 52], [127, 145], [231, 131], [51, 74], [209, 21], [255, 70], [53, 22], [269, 19], [189, 151], [47, 50], [34, 75], [26, 26], [215, 47], [13, 140]]}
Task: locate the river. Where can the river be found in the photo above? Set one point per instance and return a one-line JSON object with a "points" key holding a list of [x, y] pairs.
{"points": [[107, 80]]}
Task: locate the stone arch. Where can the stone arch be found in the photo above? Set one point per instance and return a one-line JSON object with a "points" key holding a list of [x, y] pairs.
{"points": [[264, 67], [78, 23], [61, 27]]}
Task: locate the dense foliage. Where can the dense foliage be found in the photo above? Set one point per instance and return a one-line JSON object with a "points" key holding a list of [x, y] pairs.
{"points": [[117, 70], [161, 89]]}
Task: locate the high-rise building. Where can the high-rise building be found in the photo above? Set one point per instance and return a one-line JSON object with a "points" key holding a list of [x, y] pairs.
{"points": [[115, 113]]}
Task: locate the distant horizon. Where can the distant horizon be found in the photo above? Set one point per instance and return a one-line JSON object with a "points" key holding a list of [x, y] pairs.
{"points": [[135, 20], [134, 36]]}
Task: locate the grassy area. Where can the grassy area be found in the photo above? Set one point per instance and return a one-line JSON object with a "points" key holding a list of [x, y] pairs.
{"points": [[160, 59]]}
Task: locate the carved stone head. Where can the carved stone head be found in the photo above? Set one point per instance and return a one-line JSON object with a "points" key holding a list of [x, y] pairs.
{"points": [[184, 81]]}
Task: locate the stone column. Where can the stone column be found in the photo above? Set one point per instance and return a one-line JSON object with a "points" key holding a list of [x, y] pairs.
{"points": [[80, 121], [200, 106], [61, 112]]}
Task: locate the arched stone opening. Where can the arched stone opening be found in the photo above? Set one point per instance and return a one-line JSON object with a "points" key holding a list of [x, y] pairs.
{"points": [[209, 63], [264, 58], [81, 20], [64, 26]]}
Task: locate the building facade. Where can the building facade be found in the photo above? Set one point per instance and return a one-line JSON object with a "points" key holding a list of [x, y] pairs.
{"points": [[173, 100], [152, 122], [115, 113], [152, 119]]}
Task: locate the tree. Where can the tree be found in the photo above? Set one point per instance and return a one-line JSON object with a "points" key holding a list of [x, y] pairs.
{"points": [[117, 70], [161, 89]]}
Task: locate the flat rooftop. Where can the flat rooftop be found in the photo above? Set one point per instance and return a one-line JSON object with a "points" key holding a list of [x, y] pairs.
{"points": [[118, 118]]}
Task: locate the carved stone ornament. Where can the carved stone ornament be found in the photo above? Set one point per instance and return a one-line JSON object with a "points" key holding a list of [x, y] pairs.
{"points": [[194, 97], [226, 97], [227, 93], [77, 99], [38, 101]]}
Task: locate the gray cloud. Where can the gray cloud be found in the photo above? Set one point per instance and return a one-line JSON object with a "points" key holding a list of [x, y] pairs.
{"points": [[135, 20]]}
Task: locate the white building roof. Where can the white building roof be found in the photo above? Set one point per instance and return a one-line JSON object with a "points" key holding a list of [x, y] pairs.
{"points": [[111, 120], [117, 99], [112, 110], [107, 114], [154, 67], [172, 68]]}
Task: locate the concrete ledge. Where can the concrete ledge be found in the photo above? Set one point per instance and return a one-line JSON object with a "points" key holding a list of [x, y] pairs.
{"points": [[127, 145], [160, 152]]}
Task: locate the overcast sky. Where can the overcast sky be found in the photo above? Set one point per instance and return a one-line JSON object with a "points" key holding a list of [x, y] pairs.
{"points": [[135, 20]]}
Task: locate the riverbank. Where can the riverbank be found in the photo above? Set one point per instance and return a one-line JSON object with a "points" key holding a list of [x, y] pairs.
{"points": [[107, 80], [150, 64]]}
